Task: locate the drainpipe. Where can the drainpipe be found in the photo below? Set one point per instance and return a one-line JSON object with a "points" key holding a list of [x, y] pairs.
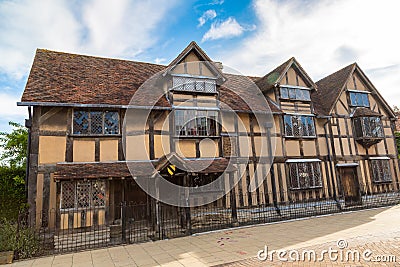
{"points": [[330, 161], [28, 124]]}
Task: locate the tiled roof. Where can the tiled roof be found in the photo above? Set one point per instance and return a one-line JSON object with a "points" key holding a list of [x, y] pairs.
{"points": [[69, 78], [268, 81], [57, 77], [238, 92], [103, 170], [365, 112], [329, 89], [99, 170]]}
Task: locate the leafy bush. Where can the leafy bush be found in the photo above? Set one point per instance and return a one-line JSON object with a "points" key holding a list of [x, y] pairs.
{"points": [[22, 241], [12, 192], [12, 171]]}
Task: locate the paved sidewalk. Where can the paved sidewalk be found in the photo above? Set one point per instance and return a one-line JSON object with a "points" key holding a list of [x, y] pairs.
{"points": [[241, 245]]}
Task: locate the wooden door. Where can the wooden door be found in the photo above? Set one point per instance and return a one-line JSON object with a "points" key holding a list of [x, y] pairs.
{"points": [[350, 186]]}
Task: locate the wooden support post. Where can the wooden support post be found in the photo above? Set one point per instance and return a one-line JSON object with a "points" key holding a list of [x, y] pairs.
{"points": [[273, 184], [33, 164], [233, 200]]}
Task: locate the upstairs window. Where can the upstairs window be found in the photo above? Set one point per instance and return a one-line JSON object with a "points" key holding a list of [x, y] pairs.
{"points": [[95, 122], [192, 84], [381, 170], [295, 94], [196, 122], [368, 127], [299, 126], [304, 175], [359, 99]]}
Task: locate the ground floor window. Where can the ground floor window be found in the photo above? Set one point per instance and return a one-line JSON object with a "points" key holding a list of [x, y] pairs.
{"points": [[381, 170], [304, 174], [83, 194]]}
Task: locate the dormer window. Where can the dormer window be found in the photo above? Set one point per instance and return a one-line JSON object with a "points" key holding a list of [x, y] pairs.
{"points": [[194, 84], [295, 93], [359, 99]]}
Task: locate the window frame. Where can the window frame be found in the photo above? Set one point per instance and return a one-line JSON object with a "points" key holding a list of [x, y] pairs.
{"points": [[195, 123], [359, 124], [364, 95], [75, 193], [300, 118], [207, 85], [103, 124], [293, 93], [378, 162], [312, 163]]}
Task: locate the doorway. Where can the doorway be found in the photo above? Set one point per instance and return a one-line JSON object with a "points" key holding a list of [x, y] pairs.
{"points": [[350, 185]]}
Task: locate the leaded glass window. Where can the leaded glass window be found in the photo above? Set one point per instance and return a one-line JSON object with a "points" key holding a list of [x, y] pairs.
{"points": [[381, 170], [295, 94], [194, 84], [87, 122], [196, 122], [299, 126], [304, 175], [359, 99], [83, 194], [367, 127], [67, 195]]}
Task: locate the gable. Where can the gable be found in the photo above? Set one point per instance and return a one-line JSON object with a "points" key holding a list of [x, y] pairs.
{"points": [[193, 64], [337, 85], [354, 83], [194, 61], [294, 77], [288, 73]]}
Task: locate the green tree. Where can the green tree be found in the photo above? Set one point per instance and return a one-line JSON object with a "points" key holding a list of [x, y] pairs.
{"points": [[13, 147]]}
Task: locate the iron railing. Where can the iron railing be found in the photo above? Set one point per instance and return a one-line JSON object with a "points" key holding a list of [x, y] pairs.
{"points": [[59, 231]]}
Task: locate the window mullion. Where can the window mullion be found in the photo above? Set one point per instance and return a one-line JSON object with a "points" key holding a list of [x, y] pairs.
{"points": [[298, 175], [103, 122]]}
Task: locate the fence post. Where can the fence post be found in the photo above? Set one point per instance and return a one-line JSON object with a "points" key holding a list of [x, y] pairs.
{"points": [[188, 218], [233, 200], [123, 217]]}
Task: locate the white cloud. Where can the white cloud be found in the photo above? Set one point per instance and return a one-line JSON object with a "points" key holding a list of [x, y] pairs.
{"points": [[223, 30], [120, 28], [8, 108], [324, 36], [160, 60], [217, 2], [207, 15]]}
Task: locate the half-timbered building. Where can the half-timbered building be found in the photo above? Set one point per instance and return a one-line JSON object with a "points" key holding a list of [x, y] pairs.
{"points": [[333, 139]]}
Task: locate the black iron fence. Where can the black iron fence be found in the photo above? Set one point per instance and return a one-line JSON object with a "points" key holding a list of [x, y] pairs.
{"points": [[59, 231]]}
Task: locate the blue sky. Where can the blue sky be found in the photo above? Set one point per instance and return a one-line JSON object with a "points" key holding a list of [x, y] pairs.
{"points": [[252, 36]]}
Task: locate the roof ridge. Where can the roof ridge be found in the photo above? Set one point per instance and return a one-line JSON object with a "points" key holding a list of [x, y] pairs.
{"points": [[98, 57]]}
